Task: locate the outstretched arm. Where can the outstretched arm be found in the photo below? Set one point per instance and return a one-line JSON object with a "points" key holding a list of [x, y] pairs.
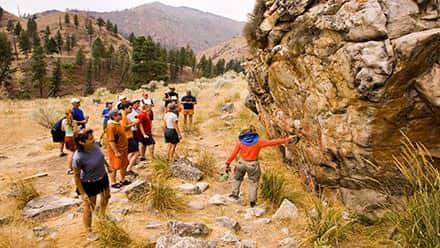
{"points": [[275, 142], [233, 154]]}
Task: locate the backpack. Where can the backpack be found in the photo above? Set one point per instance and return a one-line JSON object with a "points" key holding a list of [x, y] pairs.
{"points": [[57, 125]]}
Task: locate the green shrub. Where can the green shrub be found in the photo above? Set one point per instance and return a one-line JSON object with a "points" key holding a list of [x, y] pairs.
{"points": [[273, 188]]}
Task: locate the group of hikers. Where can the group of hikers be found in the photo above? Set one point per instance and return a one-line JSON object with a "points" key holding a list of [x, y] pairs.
{"points": [[127, 127]]}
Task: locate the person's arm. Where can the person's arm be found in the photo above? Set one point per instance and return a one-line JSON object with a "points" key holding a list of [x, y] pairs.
{"points": [[111, 141], [76, 127], [144, 134], [62, 126], [275, 142], [233, 155], [176, 125], [107, 165]]}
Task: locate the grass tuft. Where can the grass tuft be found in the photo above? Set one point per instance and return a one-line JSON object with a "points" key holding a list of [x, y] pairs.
{"points": [[110, 234], [206, 163], [274, 189], [161, 167], [15, 238], [46, 117], [23, 192], [163, 198]]}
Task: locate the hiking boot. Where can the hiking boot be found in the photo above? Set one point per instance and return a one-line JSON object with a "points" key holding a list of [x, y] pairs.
{"points": [[233, 197], [132, 173], [116, 185], [125, 182], [63, 154], [253, 204], [142, 159]]}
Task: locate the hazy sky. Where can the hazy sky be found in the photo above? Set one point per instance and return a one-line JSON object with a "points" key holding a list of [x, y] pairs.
{"points": [[235, 9]]}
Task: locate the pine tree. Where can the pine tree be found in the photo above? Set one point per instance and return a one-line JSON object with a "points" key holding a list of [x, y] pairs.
{"points": [[89, 80], [52, 46], [60, 25], [73, 41], [109, 26], [100, 22], [56, 79], [68, 44], [18, 29], [1, 13], [98, 54], [60, 42], [209, 69], [67, 19], [202, 66], [38, 68], [5, 58], [115, 29], [90, 30], [219, 67], [24, 43], [10, 26], [76, 20], [174, 68], [80, 57], [131, 38]]}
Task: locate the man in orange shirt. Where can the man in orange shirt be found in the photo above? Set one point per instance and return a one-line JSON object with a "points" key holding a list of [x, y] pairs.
{"points": [[117, 149], [249, 147]]}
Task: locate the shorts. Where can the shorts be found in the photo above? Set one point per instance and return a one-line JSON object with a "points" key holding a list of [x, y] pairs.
{"points": [[132, 145], [151, 114], [188, 112], [57, 135], [94, 188], [118, 162], [171, 136], [147, 141], [70, 143]]}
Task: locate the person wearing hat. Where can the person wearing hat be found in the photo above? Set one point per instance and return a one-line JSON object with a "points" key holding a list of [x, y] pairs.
{"points": [[188, 102], [78, 114], [117, 149], [106, 118], [169, 95], [249, 146], [171, 131], [122, 100]]}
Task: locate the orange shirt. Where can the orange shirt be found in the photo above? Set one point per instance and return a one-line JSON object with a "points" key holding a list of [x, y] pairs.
{"points": [[251, 153], [115, 131], [127, 130]]}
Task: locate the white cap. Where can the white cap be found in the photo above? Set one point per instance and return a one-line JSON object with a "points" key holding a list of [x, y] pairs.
{"points": [[122, 98], [74, 100]]}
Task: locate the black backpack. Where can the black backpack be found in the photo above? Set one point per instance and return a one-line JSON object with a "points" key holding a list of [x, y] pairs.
{"points": [[57, 125]]}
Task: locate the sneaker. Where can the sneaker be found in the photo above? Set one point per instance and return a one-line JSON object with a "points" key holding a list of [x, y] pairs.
{"points": [[233, 197], [142, 159], [132, 173], [69, 172], [116, 185], [253, 204], [63, 154], [92, 237], [125, 182]]}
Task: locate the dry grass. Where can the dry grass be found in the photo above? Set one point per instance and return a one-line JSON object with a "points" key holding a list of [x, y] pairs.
{"points": [[110, 234], [15, 237], [161, 167], [23, 192], [162, 198], [274, 188], [46, 117], [206, 162]]}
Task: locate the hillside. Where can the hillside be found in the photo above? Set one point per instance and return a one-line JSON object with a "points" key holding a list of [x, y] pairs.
{"points": [[235, 48], [174, 26]]}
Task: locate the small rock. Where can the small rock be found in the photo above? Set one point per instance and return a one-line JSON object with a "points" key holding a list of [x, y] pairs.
{"points": [[189, 188], [188, 229], [256, 211], [185, 169], [135, 189], [314, 213], [50, 204], [228, 223], [203, 186], [228, 107], [173, 241], [217, 200], [229, 237], [262, 221], [246, 243], [288, 243], [154, 225], [41, 231], [197, 205], [285, 231], [287, 210]]}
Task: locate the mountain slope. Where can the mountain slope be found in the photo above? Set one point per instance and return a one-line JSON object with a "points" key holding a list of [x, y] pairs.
{"points": [[174, 26], [235, 48]]}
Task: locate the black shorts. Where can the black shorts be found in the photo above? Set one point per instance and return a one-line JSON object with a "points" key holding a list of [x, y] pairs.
{"points": [[57, 136], [171, 136], [94, 188], [147, 141], [132, 145]]}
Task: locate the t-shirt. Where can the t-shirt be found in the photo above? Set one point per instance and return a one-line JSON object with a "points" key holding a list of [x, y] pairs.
{"points": [[145, 121], [188, 99], [170, 118], [169, 95], [115, 133], [91, 164], [132, 117], [68, 129], [78, 115], [105, 113], [148, 101], [127, 130]]}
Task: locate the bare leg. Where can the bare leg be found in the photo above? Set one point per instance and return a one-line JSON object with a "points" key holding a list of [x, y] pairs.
{"points": [[185, 118], [143, 149], [105, 196], [61, 147], [87, 217], [169, 148], [173, 150], [69, 160], [191, 121], [132, 158], [113, 176], [151, 151]]}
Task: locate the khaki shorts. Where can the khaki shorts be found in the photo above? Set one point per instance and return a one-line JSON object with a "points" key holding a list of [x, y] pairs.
{"points": [[188, 112]]}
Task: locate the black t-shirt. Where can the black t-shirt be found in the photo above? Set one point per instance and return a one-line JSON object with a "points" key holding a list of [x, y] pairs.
{"points": [[169, 95], [188, 99]]}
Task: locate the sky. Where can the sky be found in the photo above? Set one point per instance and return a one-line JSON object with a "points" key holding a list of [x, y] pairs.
{"points": [[234, 9]]}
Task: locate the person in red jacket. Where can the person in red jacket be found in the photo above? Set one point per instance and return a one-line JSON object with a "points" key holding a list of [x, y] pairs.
{"points": [[249, 147]]}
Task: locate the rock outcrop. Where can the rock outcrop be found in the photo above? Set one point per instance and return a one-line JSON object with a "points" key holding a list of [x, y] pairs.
{"points": [[348, 76]]}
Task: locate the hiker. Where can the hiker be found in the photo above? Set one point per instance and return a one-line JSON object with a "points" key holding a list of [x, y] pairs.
{"points": [[90, 177], [69, 127], [167, 98], [188, 102], [117, 149], [133, 147], [122, 100], [175, 101], [58, 135], [106, 118], [249, 147], [78, 114], [171, 131], [145, 133], [148, 101]]}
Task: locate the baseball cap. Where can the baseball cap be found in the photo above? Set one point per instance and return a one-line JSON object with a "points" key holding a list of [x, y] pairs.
{"points": [[113, 113], [74, 100], [122, 98]]}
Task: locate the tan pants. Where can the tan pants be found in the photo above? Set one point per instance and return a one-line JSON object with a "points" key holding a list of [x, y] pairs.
{"points": [[252, 168]]}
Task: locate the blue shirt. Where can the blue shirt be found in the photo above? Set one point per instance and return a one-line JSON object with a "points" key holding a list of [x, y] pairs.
{"points": [[188, 99], [105, 114], [78, 115], [91, 164]]}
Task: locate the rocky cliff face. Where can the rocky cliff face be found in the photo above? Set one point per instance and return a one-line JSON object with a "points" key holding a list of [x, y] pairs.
{"points": [[349, 75]]}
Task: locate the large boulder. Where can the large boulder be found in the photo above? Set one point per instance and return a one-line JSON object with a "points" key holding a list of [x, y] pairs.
{"points": [[49, 205], [185, 169], [348, 76]]}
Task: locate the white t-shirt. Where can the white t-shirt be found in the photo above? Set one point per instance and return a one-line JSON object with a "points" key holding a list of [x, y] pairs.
{"points": [[170, 118], [132, 118], [148, 101]]}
